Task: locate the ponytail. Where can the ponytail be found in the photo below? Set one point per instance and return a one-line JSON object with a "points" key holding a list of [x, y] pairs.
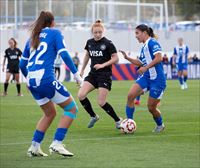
{"points": [[98, 23], [149, 30], [45, 19]]}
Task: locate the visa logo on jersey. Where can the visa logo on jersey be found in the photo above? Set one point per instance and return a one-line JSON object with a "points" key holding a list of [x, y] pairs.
{"points": [[96, 53]]}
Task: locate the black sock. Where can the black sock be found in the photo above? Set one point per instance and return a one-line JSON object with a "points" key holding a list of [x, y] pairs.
{"points": [[108, 108], [5, 87], [88, 107], [18, 88]]}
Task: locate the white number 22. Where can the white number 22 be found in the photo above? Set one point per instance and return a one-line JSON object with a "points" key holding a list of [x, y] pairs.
{"points": [[44, 49]]}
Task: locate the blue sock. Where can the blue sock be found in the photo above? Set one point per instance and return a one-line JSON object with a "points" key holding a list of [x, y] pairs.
{"points": [[138, 98], [185, 79], [60, 134], [158, 120], [38, 136], [180, 80], [129, 112]]}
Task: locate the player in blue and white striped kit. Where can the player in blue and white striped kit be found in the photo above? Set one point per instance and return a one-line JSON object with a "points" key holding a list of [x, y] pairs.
{"points": [[181, 52], [37, 65], [151, 77]]}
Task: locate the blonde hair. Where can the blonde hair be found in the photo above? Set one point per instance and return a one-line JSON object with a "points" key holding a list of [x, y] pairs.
{"points": [[98, 23]]}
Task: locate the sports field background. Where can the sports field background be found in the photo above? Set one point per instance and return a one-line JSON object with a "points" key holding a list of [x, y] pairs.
{"points": [[103, 146]]}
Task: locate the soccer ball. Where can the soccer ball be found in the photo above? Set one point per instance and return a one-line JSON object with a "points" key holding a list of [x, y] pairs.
{"points": [[128, 126]]}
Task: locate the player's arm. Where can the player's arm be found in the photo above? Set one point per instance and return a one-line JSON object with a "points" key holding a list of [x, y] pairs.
{"points": [[24, 59], [157, 59], [85, 62], [132, 60], [4, 62]]}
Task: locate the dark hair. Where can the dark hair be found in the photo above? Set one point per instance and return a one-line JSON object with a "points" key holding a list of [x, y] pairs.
{"points": [[44, 20], [149, 30], [98, 23], [15, 42]]}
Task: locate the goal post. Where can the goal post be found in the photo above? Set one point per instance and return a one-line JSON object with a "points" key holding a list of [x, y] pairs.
{"points": [[108, 8]]}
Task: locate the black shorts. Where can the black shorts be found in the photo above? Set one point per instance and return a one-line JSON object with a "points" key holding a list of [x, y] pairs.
{"points": [[103, 80], [12, 69]]}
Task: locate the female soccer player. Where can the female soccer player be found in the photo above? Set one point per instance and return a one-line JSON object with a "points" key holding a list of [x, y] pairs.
{"points": [[12, 54], [103, 54], [181, 52], [37, 65], [151, 78]]}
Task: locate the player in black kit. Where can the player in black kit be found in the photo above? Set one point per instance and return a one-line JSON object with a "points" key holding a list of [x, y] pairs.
{"points": [[12, 55], [103, 54]]}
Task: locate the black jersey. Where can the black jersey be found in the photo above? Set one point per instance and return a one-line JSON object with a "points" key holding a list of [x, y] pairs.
{"points": [[13, 56], [100, 52]]}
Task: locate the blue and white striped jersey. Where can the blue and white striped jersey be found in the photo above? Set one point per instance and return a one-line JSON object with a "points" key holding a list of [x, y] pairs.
{"points": [[147, 54], [41, 61], [181, 53]]}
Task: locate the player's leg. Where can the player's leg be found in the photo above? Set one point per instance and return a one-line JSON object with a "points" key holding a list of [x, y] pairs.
{"points": [[42, 125], [134, 91], [101, 98], [6, 83], [70, 109], [82, 95], [18, 85], [185, 76], [154, 99]]}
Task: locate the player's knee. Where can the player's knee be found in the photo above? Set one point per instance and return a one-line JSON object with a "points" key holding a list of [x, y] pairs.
{"points": [[151, 108], [71, 110], [101, 102], [130, 97], [81, 95]]}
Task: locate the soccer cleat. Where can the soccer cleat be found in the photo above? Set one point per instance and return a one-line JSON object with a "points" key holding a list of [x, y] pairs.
{"points": [[137, 102], [35, 152], [118, 123], [185, 86], [182, 87], [59, 148], [20, 95], [93, 120], [4, 94], [159, 128]]}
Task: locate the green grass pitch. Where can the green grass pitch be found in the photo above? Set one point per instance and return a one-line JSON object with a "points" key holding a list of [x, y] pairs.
{"points": [[103, 146]]}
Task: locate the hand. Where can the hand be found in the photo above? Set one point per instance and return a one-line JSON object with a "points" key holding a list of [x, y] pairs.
{"points": [[124, 54], [98, 66], [142, 70], [78, 79]]}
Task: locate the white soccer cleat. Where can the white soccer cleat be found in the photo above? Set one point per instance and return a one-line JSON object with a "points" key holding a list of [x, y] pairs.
{"points": [[35, 152], [182, 87], [118, 123], [159, 128], [59, 148], [185, 86], [93, 120]]}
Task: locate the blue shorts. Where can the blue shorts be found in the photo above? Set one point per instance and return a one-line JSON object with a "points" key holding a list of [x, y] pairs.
{"points": [[53, 91], [181, 66], [155, 87]]}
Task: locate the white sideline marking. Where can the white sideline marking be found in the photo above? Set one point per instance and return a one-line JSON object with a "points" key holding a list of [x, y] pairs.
{"points": [[107, 138]]}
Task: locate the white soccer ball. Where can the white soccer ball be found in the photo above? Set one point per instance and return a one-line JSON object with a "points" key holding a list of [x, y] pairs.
{"points": [[128, 126]]}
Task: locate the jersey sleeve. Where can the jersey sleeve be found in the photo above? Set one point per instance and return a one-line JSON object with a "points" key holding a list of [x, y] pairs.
{"points": [[175, 53], [59, 42], [187, 50], [26, 52], [86, 46], [112, 48], [155, 47], [19, 52], [6, 55]]}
